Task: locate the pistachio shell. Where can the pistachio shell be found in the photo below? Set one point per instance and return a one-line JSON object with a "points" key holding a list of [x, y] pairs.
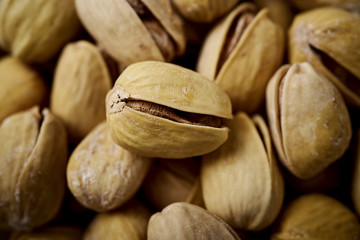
{"points": [[33, 155], [186, 221], [49, 233], [309, 121], [80, 85], [317, 216], [34, 31], [101, 175], [249, 67], [356, 177], [337, 37], [21, 87], [241, 182], [279, 11], [350, 5]]}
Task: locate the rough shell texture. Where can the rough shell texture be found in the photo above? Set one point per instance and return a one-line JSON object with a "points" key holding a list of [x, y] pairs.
{"points": [[79, 89], [49, 233], [33, 155], [241, 181], [101, 175], [186, 221], [34, 31], [309, 121]]}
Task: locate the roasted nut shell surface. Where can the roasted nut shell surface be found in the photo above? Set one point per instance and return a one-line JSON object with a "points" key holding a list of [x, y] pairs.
{"points": [[186, 221], [49, 233], [101, 175], [33, 155], [350, 5], [309, 121], [317, 216], [174, 110]]}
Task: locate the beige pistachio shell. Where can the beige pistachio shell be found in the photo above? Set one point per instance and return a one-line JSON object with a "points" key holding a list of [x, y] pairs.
{"points": [[336, 37], [101, 175], [279, 11], [49, 233], [356, 178], [21, 87], [309, 121], [241, 182], [350, 5], [33, 155], [35, 31], [79, 89], [249, 67], [317, 216], [186, 221], [128, 222], [203, 10], [118, 28]]}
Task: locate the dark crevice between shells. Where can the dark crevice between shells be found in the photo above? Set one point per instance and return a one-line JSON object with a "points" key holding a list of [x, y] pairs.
{"points": [[234, 35], [162, 39], [344, 75], [111, 64], [174, 114]]}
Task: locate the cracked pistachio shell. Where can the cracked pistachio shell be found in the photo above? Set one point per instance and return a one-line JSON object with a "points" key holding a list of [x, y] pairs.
{"points": [[309, 121], [119, 29], [204, 10], [241, 182], [252, 62], [174, 87], [36, 30], [334, 32], [101, 175], [21, 87], [33, 155], [81, 82], [314, 217], [49, 233], [128, 222], [356, 178], [350, 5], [187, 221]]}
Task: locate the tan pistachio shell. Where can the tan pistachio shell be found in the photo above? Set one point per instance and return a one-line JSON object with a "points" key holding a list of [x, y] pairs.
{"points": [[81, 82], [350, 5], [175, 87], [182, 220], [35, 31], [21, 87], [101, 175], [309, 121], [241, 182], [355, 194], [249, 67], [49, 233], [128, 222], [118, 28], [279, 10], [337, 37], [33, 155], [317, 216]]}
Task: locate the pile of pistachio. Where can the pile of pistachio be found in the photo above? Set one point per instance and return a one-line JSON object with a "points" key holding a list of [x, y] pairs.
{"points": [[179, 119]]}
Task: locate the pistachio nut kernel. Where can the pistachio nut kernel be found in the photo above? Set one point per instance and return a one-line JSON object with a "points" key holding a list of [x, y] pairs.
{"points": [[237, 58], [56, 232], [331, 45], [163, 110], [349, 5], [101, 175], [309, 121], [246, 162], [317, 216], [187, 221], [33, 156]]}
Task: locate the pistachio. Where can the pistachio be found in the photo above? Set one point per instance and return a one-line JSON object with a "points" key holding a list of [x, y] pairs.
{"points": [[33, 155], [152, 30], [349, 5], [331, 45], [279, 11], [162, 110], [309, 121], [236, 57], [355, 194], [317, 216], [81, 82], [49, 233], [21, 87], [186, 221], [241, 182], [35, 37], [101, 175]]}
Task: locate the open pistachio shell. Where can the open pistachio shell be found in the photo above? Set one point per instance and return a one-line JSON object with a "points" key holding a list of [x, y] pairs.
{"points": [[356, 178], [314, 217], [309, 121], [328, 38], [241, 182], [251, 63], [174, 109]]}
